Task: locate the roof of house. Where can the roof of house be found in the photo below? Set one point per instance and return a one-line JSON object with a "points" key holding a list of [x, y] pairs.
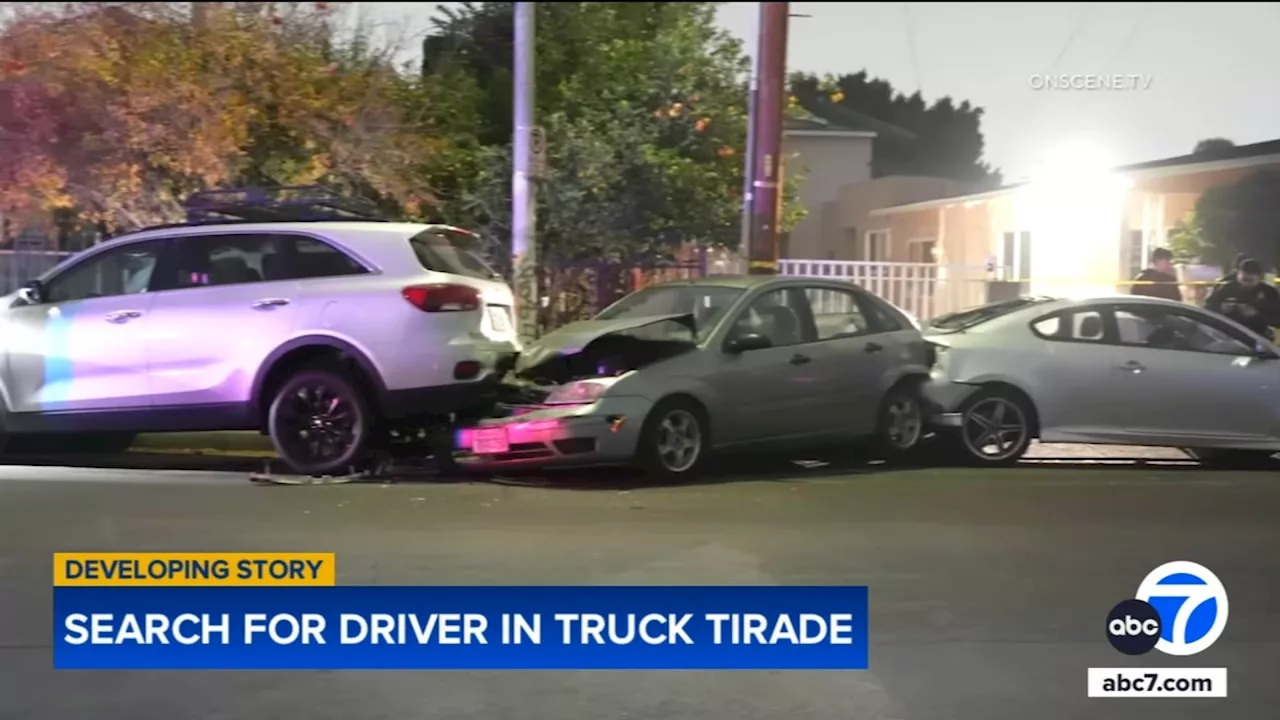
{"points": [[823, 115], [1239, 152], [1240, 156]]}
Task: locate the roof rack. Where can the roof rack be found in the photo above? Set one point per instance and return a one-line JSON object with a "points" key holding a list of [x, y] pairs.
{"points": [[300, 203]]}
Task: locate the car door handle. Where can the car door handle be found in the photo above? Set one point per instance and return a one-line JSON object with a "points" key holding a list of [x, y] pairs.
{"points": [[1133, 366], [799, 359], [123, 316], [873, 347], [270, 303]]}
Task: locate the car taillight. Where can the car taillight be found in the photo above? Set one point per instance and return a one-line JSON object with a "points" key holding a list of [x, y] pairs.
{"points": [[442, 298]]}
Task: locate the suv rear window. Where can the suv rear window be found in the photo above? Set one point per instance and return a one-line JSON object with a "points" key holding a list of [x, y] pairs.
{"points": [[971, 317], [451, 251]]}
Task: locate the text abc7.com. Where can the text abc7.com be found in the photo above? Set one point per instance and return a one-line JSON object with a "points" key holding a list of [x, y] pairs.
{"points": [[1180, 609]]}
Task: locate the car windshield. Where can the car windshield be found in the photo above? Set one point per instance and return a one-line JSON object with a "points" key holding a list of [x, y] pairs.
{"points": [[707, 303], [453, 251], [971, 317]]}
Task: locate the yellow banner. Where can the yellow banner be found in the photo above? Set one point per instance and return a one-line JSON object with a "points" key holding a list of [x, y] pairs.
{"points": [[193, 569]]}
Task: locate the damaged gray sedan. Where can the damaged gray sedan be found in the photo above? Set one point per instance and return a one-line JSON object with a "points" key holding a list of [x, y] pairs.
{"points": [[668, 375]]}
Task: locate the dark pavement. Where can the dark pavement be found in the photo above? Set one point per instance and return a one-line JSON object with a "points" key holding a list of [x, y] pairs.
{"points": [[989, 590]]}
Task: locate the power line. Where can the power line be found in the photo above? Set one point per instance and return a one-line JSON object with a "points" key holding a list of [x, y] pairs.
{"points": [[1128, 38], [1071, 38], [911, 43]]}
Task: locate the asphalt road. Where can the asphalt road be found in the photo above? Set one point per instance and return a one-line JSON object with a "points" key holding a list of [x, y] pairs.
{"points": [[989, 590]]}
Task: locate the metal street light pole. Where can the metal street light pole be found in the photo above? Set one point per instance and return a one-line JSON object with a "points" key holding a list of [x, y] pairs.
{"points": [[768, 111], [524, 244]]}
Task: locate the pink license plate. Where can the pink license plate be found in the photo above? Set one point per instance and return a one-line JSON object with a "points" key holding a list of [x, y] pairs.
{"points": [[490, 441]]}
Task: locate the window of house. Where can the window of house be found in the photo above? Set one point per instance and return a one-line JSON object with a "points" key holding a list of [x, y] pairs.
{"points": [[876, 246], [921, 251], [1024, 256], [1009, 250], [1132, 257]]}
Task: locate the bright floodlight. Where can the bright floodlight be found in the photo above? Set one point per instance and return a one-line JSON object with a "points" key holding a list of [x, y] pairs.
{"points": [[1074, 163]]}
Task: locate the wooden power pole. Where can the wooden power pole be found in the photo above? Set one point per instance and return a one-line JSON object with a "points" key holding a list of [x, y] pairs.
{"points": [[767, 115]]}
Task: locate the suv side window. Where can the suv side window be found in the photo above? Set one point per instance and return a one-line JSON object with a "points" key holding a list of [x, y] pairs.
{"points": [[304, 257], [125, 270], [208, 260], [837, 313], [1166, 329]]}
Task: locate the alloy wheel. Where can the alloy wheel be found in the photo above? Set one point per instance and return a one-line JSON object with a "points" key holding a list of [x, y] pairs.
{"points": [[318, 424], [678, 441], [905, 423], [995, 429]]}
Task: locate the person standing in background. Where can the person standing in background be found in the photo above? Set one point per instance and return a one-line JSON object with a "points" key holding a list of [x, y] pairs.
{"points": [[1248, 299], [1158, 280], [1231, 276]]}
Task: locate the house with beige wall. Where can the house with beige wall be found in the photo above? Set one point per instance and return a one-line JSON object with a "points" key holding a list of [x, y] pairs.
{"points": [[1085, 235], [828, 157]]}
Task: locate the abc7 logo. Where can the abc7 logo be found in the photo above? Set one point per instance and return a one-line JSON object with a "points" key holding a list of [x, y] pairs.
{"points": [[1135, 627]]}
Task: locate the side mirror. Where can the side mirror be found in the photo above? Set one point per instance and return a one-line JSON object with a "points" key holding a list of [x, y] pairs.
{"points": [[747, 341], [1262, 352], [32, 293]]}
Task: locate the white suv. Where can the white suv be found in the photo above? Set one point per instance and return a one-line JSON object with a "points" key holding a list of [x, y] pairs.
{"points": [[320, 334]]}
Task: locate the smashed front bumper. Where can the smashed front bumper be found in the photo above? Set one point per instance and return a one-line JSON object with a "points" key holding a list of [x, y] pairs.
{"points": [[605, 432]]}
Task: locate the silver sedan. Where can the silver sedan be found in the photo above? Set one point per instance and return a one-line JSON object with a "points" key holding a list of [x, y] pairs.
{"points": [[1114, 370], [671, 373]]}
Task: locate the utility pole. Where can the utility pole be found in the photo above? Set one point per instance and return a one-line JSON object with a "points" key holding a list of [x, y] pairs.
{"points": [[749, 159], [524, 243], [768, 110]]}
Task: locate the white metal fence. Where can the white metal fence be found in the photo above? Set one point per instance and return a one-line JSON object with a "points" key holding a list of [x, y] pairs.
{"points": [[922, 289]]}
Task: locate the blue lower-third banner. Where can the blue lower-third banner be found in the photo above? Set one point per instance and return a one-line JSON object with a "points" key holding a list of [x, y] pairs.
{"points": [[461, 628]]}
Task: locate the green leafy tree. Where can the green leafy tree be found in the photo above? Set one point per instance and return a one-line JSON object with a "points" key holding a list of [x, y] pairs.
{"points": [[940, 140], [1242, 218], [1187, 241], [644, 108], [1213, 146]]}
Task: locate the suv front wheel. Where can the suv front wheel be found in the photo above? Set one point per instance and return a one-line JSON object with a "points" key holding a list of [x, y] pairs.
{"points": [[320, 423]]}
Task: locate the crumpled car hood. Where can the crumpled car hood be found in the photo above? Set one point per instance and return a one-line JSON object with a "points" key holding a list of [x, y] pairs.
{"points": [[575, 337]]}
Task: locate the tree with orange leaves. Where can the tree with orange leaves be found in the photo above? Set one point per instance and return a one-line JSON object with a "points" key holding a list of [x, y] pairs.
{"points": [[122, 111]]}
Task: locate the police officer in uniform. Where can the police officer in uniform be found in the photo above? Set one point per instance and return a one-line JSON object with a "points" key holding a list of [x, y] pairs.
{"points": [[1248, 299], [1158, 279]]}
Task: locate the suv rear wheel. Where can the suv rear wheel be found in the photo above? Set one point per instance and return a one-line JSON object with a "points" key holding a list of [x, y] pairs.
{"points": [[320, 423]]}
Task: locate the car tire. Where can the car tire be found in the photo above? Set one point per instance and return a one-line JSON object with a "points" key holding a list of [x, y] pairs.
{"points": [[674, 442], [320, 423], [900, 424], [979, 439], [1234, 459]]}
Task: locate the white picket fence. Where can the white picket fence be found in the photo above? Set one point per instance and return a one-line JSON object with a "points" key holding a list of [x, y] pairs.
{"points": [[922, 289]]}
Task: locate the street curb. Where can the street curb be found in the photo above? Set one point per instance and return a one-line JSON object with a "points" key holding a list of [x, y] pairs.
{"points": [[232, 444]]}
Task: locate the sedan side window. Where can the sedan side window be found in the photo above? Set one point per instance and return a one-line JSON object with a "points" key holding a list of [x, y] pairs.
{"points": [[777, 315], [124, 270], [837, 313], [1079, 326], [1162, 329]]}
